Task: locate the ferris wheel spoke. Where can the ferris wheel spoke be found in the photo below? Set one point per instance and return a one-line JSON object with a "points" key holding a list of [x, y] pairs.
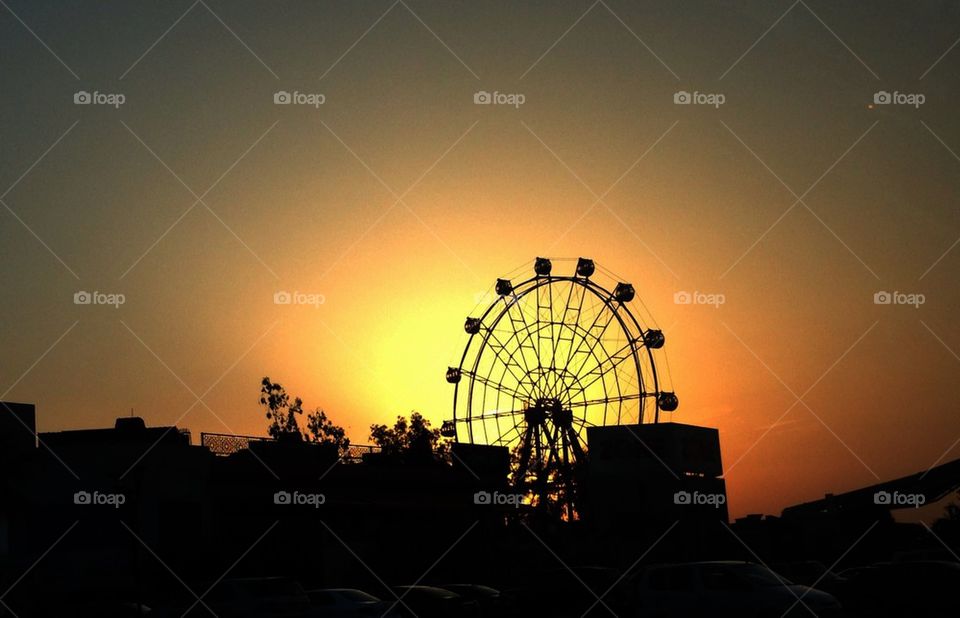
{"points": [[570, 305], [585, 424], [553, 330], [524, 343], [506, 437], [497, 414], [615, 361], [596, 339], [526, 327], [578, 307], [609, 400], [511, 413], [586, 332], [509, 436], [627, 347], [542, 385], [497, 386], [578, 331], [539, 293], [578, 387], [509, 362], [547, 291], [510, 403], [496, 398]]}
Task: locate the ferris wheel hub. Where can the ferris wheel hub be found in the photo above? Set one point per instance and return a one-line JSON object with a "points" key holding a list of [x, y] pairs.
{"points": [[548, 408]]}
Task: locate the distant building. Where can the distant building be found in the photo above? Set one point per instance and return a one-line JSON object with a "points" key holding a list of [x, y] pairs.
{"points": [[108, 487], [18, 428], [135, 501], [644, 478], [18, 441]]}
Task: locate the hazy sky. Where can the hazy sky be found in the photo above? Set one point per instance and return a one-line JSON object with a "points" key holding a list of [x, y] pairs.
{"points": [[400, 200]]}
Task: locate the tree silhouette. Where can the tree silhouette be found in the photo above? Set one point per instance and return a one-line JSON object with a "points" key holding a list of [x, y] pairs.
{"points": [[414, 441], [321, 430], [282, 413]]}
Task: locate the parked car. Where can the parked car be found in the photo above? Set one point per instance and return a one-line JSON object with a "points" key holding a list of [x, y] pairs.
{"points": [[488, 599], [84, 603], [924, 554], [432, 602], [565, 592], [852, 572], [258, 597], [725, 588], [106, 609], [922, 588], [348, 603], [810, 573]]}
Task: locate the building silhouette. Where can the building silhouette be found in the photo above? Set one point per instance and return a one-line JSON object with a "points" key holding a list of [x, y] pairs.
{"points": [[142, 514]]}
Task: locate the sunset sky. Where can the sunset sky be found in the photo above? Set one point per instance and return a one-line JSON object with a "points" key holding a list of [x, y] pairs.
{"points": [[399, 201]]}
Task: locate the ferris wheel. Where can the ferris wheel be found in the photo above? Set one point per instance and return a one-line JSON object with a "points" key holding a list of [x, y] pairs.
{"points": [[548, 358]]}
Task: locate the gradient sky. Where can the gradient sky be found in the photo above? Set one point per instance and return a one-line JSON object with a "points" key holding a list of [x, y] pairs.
{"points": [[694, 198]]}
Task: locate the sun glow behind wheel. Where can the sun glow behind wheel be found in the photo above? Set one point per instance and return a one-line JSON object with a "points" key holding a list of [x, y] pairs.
{"points": [[547, 357]]}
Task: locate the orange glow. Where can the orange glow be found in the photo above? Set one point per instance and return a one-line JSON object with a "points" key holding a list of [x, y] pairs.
{"points": [[400, 202]]}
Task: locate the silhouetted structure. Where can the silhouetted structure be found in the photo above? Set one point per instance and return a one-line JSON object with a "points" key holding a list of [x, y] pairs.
{"points": [[138, 514], [136, 504], [825, 529], [551, 356], [644, 478]]}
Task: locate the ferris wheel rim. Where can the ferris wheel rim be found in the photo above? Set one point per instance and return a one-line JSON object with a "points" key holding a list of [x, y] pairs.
{"points": [[517, 294], [617, 309]]}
